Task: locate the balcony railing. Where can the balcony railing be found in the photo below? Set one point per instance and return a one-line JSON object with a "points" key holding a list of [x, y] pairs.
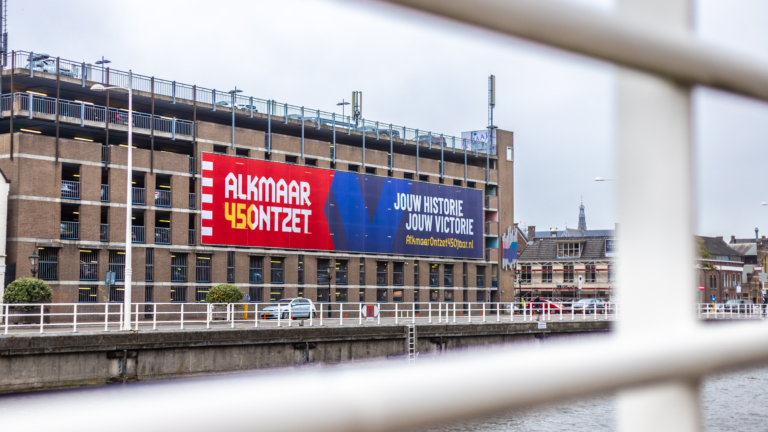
{"points": [[70, 230], [192, 165], [162, 236], [89, 271], [244, 105], [491, 201], [70, 189], [191, 237], [137, 234], [192, 201], [162, 198], [104, 233], [81, 112], [104, 154], [492, 228], [105, 193], [139, 196]]}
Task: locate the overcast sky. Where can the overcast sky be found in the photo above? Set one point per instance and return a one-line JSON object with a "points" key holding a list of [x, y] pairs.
{"points": [[431, 74]]}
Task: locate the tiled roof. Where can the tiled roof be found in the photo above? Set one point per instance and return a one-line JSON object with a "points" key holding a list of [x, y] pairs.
{"points": [[717, 246], [745, 248], [572, 232], [545, 249]]}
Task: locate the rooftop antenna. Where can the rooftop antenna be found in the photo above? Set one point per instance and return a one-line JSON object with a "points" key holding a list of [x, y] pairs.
{"points": [[491, 126], [357, 105]]}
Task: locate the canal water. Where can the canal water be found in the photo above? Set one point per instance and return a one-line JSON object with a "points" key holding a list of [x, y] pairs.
{"points": [[733, 401]]}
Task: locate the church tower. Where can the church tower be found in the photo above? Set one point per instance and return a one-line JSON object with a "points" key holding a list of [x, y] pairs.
{"points": [[582, 218]]}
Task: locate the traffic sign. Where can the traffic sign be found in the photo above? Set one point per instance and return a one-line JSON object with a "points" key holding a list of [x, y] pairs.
{"points": [[714, 298], [701, 287], [369, 311], [110, 277], [246, 298]]}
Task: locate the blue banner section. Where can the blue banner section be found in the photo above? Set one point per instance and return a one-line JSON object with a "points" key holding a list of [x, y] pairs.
{"points": [[378, 214]]}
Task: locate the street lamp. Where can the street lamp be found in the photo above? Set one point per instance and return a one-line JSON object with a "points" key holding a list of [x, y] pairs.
{"points": [[33, 260], [102, 62], [233, 93], [342, 103], [128, 198]]}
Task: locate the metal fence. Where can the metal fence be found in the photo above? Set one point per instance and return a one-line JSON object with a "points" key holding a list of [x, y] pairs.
{"points": [[162, 198], [67, 317], [105, 193], [70, 189], [243, 105], [70, 230], [81, 112], [137, 234], [192, 201], [162, 235], [139, 196], [191, 237]]}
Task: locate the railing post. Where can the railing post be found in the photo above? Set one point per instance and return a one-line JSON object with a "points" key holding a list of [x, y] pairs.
{"points": [[82, 71], [173, 129], [395, 313], [31, 65], [7, 310], [413, 312], [173, 92], [31, 105], [483, 312], [154, 316], [469, 312], [74, 319], [290, 314], [321, 314], [82, 114], [430, 311], [182, 316], [208, 316], [42, 317], [106, 316]]}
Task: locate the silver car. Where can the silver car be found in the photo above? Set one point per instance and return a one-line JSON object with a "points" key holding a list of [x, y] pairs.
{"points": [[289, 308]]}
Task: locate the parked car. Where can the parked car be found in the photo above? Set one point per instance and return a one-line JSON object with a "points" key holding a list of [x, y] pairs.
{"points": [[44, 63], [589, 306], [737, 306], [433, 139], [297, 307], [543, 305], [246, 107]]}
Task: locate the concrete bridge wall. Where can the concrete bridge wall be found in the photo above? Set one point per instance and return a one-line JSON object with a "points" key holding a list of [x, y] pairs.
{"points": [[39, 362]]}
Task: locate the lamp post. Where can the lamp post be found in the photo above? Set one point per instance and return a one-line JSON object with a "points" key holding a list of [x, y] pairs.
{"points": [[342, 103], [128, 199], [33, 260], [233, 93], [102, 62]]}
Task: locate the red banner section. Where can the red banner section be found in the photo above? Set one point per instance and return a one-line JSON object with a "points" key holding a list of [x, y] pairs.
{"points": [[256, 203]]}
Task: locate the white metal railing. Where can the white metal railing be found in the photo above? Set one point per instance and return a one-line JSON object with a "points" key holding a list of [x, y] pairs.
{"points": [[162, 198], [105, 193], [162, 235], [137, 234], [70, 189], [139, 196], [68, 317], [70, 230]]}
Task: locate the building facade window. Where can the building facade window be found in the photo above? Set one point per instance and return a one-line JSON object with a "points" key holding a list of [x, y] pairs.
{"points": [[481, 296], [230, 267], [546, 274], [569, 250], [341, 295], [481, 277], [362, 295], [149, 297], [179, 269], [465, 276], [203, 269], [276, 294], [323, 278], [398, 274], [201, 294], [434, 295], [276, 271], [256, 270], [525, 274], [88, 294], [568, 273], [381, 273], [301, 269], [591, 273], [256, 294], [448, 296], [117, 293], [89, 265], [362, 271], [117, 264], [323, 295], [398, 295], [381, 295], [416, 273], [341, 273], [447, 275], [149, 261], [433, 274], [179, 293], [48, 265]]}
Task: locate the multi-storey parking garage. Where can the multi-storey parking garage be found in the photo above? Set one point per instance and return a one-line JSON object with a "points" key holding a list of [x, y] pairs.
{"points": [[390, 214]]}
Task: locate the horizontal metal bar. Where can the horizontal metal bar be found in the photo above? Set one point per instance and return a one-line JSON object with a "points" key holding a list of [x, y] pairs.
{"points": [[603, 364], [610, 37]]}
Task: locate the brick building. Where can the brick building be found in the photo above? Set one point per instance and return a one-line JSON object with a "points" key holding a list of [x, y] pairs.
{"points": [[67, 173]]}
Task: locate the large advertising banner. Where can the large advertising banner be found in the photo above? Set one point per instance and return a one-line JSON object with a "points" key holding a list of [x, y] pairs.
{"points": [[257, 203]]}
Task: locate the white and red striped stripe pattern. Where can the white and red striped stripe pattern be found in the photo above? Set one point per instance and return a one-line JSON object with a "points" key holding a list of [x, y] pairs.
{"points": [[206, 198]]}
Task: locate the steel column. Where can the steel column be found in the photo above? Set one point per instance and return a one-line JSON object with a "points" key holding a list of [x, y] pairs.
{"points": [[152, 124], [302, 132], [58, 94]]}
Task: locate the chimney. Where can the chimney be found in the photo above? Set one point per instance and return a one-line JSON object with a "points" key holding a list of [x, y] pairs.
{"points": [[553, 232], [733, 239], [531, 233]]}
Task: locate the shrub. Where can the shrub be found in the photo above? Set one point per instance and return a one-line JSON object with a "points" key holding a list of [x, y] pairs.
{"points": [[27, 290], [224, 293]]}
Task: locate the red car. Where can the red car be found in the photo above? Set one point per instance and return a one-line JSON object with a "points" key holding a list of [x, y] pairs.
{"points": [[544, 305]]}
